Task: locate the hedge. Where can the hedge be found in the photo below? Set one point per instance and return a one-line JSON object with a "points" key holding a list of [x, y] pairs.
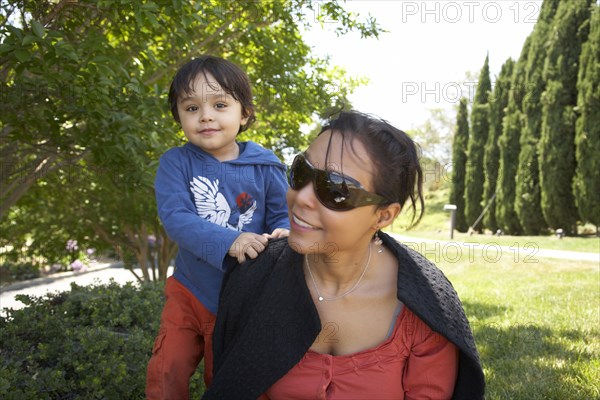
{"points": [[92, 342]]}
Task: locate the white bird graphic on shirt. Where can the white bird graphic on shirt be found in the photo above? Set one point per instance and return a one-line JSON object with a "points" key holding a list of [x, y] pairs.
{"points": [[212, 205]]}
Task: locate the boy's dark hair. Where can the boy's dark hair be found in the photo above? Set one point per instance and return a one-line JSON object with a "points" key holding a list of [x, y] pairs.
{"points": [[232, 79]]}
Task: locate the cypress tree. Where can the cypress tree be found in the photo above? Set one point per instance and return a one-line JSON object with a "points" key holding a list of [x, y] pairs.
{"points": [[586, 185], [527, 200], [477, 138], [459, 162], [556, 153], [509, 148], [498, 102], [508, 144]]}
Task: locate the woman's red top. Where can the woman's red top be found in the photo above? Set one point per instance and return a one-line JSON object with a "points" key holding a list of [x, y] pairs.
{"points": [[412, 363]]}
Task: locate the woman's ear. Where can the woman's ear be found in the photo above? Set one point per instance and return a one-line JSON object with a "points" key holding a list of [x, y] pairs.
{"points": [[387, 214]]}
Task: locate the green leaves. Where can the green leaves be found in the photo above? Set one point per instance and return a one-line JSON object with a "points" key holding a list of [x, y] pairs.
{"points": [[38, 29], [87, 83], [22, 55], [556, 145], [551, 123], [90, 342], [459, 164], [586, 182], [474, 179]]}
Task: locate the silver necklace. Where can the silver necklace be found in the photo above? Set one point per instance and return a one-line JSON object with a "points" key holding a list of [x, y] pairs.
{"points": [[353, 288]]}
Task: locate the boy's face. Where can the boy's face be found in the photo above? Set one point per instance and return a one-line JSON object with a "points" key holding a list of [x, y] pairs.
{"points": [[211, 118]]}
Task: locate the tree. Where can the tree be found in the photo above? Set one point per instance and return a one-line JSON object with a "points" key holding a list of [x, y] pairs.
{"points": [[527, 201], [509, 147], [459, 162], [112, 67], [435, 136], [498, 102], [586, 185], [87, 83], [508, 143], [477, 138], [557, 146]]}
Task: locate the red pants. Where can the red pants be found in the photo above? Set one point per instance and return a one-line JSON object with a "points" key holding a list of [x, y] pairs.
{"points": [[184, 338]]}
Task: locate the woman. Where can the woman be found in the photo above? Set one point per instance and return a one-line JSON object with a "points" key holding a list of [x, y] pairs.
{"points": [[340, 310]]}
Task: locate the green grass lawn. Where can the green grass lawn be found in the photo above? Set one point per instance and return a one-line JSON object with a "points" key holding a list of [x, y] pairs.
{"points": [[537, 325], [583, 244], [536, 320]]}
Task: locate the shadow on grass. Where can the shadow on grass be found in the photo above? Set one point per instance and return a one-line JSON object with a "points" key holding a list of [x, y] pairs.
{"points": [[529, 361]]}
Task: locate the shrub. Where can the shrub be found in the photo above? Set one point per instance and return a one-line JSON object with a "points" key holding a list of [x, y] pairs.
{"points": [[17, 271], [92, 342]]}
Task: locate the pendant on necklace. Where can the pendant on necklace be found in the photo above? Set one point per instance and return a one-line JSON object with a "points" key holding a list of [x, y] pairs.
{"points": [[320, 298]]}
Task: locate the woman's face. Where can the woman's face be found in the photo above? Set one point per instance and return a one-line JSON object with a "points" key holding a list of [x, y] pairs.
{"points": [[316, 228]]}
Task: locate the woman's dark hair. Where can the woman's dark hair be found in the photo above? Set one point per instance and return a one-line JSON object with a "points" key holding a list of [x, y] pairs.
{"points": [[398, 176], [232, 79]]}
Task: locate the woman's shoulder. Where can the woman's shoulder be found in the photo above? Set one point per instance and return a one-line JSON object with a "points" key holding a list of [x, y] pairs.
{"points": [[270, 278], [419, 278], [424, 288], [277, 250], [277, 254], [414, 265]]}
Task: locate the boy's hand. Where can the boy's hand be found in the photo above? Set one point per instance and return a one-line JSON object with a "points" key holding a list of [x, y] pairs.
{"points": [[247, 244], [277, 233]]}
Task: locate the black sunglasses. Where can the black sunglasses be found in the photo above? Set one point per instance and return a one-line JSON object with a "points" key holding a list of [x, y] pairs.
{"points": [[335, 191]]}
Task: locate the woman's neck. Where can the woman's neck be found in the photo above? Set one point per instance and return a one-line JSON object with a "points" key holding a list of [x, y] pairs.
{"points": [[339, 270]]}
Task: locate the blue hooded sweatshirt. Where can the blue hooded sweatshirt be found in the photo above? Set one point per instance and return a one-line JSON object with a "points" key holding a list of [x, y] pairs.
{"points": [[205, 204]]}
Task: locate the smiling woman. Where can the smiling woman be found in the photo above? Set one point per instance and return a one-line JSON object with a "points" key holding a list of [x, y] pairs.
{"points": [[339, 309]]}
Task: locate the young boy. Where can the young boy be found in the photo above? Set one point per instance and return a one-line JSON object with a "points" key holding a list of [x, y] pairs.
{"points": [[216, 197]]}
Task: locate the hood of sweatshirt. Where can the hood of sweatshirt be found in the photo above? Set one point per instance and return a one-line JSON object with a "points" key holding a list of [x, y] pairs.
{"points": [[250, 154]]}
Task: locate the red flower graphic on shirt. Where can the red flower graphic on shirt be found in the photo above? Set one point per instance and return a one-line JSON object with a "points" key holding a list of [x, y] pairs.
{"points": [[244, 201]]}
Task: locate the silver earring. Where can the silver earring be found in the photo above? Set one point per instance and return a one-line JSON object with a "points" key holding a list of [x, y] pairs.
{"points": [[378, 242]]}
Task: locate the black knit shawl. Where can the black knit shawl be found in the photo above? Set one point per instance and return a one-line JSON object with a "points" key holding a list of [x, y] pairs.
{"points": [[267, 320]]}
